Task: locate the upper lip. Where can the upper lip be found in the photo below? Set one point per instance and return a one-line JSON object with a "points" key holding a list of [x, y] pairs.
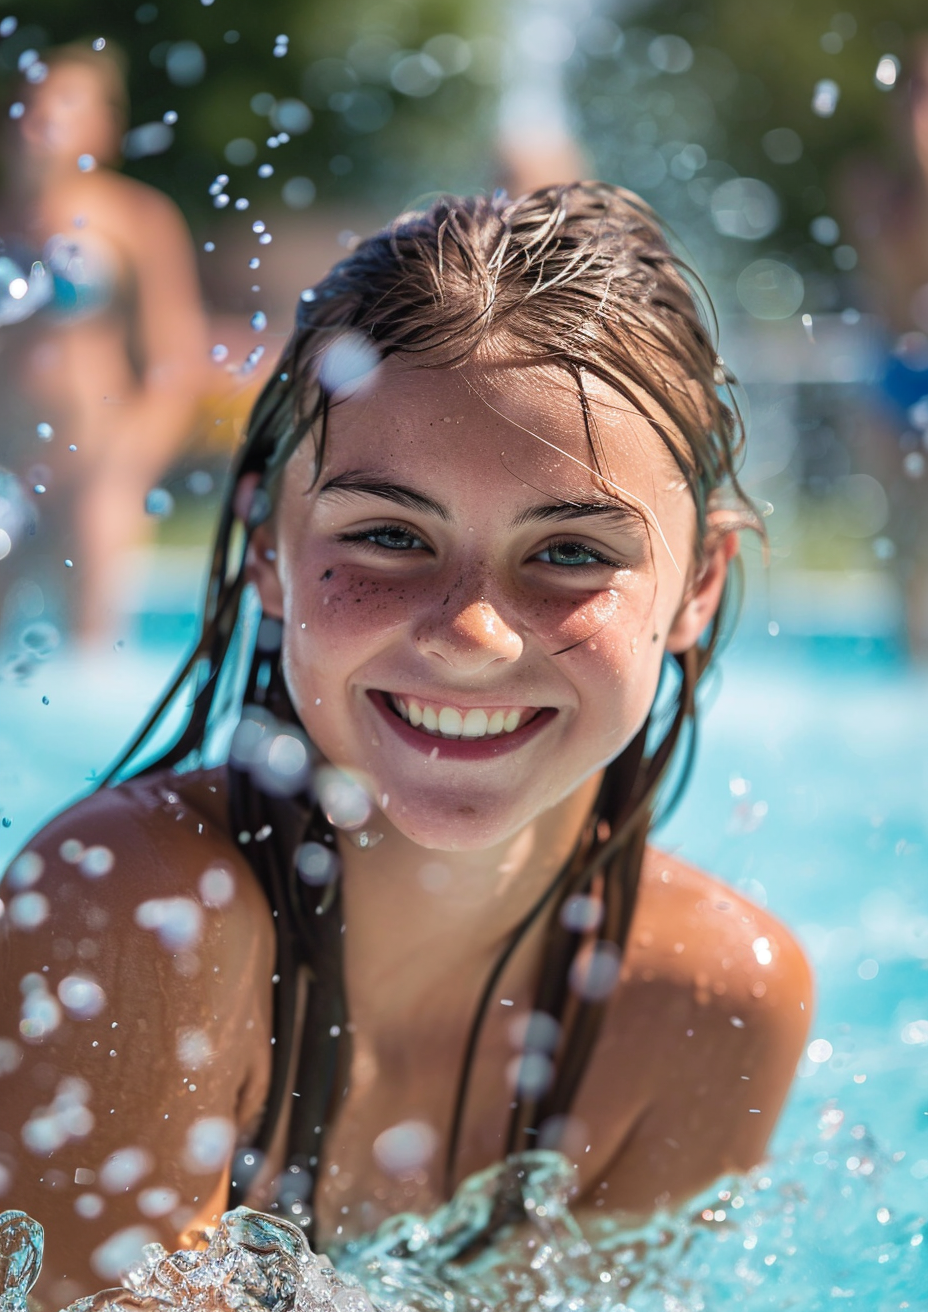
{"points": [[463, 703]]}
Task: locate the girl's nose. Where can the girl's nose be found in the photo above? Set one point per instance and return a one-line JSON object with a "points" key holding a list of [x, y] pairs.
{"points": [[469, 639]]}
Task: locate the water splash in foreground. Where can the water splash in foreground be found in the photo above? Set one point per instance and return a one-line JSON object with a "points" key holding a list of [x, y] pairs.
{"points": [[850, 1235]]}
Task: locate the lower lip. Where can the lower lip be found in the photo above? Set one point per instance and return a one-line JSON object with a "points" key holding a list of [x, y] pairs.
{"points": [[461, 749]]}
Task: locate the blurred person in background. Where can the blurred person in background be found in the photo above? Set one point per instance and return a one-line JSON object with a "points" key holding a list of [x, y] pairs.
{"points": [[102, 346], [887, 214]]}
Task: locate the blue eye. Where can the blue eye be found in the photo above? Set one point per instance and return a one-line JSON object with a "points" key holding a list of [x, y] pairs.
{"points": [[389, 536], [571, 554]]}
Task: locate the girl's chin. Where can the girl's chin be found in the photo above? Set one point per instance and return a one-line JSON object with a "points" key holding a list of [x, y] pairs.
{"points": [[450, 824]]}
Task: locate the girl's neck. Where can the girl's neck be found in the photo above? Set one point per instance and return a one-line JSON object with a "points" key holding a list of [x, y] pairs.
{"points": [[420, 922]]}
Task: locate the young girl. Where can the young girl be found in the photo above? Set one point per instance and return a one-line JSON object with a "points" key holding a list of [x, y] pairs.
{"points": [[414, 924]]}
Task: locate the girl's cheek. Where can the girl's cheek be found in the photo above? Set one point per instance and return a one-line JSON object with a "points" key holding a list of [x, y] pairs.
{"points": [[563, 624], [345, 602]]}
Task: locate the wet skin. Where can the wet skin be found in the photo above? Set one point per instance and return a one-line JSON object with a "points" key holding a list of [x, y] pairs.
{"points": [[485, 601]]}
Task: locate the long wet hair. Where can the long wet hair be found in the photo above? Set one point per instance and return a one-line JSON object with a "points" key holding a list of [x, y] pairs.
{"points": [[580, 277]]}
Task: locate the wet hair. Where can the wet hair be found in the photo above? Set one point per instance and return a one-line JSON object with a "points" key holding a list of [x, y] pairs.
{"points": [[578, 277]]}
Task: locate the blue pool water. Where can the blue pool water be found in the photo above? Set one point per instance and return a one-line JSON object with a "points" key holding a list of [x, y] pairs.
{"points": [[810, 793]]}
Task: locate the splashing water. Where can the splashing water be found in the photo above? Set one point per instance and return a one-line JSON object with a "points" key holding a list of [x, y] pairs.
{"points": [[508, 1240], [21, 1247]]}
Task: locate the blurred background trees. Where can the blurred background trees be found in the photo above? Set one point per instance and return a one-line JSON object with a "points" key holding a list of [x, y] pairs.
{"points": [[380, 101]]}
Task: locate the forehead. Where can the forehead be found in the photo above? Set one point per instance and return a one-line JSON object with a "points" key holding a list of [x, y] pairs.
{"points": [[530, 421], [73, 81]]}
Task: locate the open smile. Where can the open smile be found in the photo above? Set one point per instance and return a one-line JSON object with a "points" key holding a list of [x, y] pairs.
{"points": [[482, 729]]}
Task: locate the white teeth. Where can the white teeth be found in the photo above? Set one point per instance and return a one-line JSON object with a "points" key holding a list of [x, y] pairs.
{"points": [[475, 724], [450, 721]]}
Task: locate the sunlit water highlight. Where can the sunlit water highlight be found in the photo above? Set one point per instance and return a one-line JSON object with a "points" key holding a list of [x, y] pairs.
{"points": [[809, 794]]}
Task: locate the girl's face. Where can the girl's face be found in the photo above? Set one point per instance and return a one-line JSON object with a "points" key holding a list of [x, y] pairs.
{"points": [[471, 621], [68, 115]]}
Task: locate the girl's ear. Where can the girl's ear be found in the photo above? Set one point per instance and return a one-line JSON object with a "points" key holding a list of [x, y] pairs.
{"points": [[261, 557], [704, 593]]}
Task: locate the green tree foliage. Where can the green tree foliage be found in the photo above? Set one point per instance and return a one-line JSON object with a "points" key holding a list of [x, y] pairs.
{"points": [[359, 119]]}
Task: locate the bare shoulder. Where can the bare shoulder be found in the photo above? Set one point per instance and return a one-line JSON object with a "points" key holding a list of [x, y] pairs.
{"points": [[701, 1039], [142, 879], [696, 932]]}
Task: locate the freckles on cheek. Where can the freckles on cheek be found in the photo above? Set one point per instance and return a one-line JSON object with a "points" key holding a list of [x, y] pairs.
{"points": [[342, 601]]}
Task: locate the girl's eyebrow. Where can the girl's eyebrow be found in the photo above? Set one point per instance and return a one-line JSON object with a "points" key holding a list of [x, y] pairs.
{"points": [[361, 482], [620, 516]]}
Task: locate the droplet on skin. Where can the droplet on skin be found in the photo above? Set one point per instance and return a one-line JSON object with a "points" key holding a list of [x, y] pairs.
{"points": [[216, 886], [405, 1148], [81, 997], [209, 1144], [124, 1168], [96, 861]]}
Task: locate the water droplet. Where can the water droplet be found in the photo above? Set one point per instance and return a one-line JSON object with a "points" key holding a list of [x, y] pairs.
{"points": [[89, 1206], [7, 822], [45, 432], [194, 1048], [405, 1148], [258, 226], [69, 564], [581, 914], [887, 72], [209, 1143], [308, 295], [44, 701], [265, 170], [123, 1169], [99, 43], [349, 365], [209, 246], [81, 997], [825, 97], [178, 921], [159, 502], [17, 109], [819, 1051], [259, 321], [242, 203], [265, 239], [122, 1250], [8, 25], [595, 970], [86, 163], [39, 489], [28, 910], [221, 201], [96, 861], [217, 887], [316, 864], [157, 1201], [220, 353], [169, 117]]}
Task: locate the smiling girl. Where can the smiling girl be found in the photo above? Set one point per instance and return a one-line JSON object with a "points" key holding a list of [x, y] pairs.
{"points": [[415, 923]]}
